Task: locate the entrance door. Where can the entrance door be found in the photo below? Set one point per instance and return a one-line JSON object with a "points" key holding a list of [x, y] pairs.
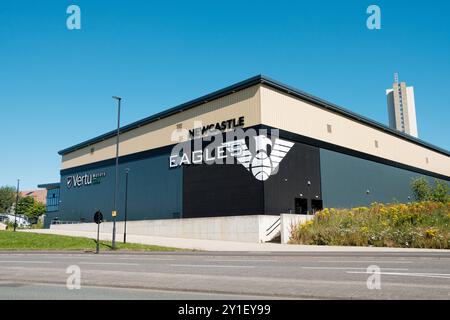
{"points": [[316, 205], [301, 206]]}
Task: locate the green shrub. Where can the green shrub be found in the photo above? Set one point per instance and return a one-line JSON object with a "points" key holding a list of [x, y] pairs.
{"points": [[419, 225], [423, 191], [10, 225], [38, 225], [441, 191]]}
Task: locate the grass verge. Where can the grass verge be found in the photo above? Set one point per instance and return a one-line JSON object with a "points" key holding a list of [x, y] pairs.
{"points": [[413, 225], [10, 240]]}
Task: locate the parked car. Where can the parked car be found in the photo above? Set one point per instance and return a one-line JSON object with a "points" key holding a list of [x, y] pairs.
{"points": [[21, 220]]}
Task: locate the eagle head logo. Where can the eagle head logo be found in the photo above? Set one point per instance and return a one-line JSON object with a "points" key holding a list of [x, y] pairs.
{"points": [[260, 163]]}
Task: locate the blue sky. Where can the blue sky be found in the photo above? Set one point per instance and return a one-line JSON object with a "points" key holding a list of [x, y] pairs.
{"points": [[56, 84]]}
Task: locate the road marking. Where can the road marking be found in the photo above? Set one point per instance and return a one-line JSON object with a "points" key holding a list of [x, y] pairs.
{"points": [[73, 257], [18, 261], [110, 263], [242, 260], [407, 274], [363, 261], [144, 259], [209, 266], [348, 268]]}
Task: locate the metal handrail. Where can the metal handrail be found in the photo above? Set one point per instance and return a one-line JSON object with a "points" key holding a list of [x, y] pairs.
{"points": [[65, 222], [276, 221], [275, 225]]}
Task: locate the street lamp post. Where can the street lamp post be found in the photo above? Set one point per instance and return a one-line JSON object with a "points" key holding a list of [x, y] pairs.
{"points": [[17, 204], [127, 171], [114, 213]]}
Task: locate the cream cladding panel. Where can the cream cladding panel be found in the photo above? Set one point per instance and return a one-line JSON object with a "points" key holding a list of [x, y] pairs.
{"points": [[158, 134], [289, 113]]}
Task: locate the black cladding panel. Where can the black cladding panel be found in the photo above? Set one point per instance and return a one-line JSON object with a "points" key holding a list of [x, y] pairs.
{"points": [[298, 176], [220, 190], [225, 190]]}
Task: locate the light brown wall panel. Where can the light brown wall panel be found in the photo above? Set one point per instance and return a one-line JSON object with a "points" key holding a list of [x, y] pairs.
{"points": [[158, 134], [289, 113]]}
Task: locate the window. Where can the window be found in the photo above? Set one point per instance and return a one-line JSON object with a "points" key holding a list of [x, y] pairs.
{"points": [[92, 150], [376, 143], [179, 126], [52, 200], [329, 129], [427, 160]]}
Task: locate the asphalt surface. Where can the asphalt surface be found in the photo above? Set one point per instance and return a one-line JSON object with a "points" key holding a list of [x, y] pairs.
{"points": [[224, 276]]}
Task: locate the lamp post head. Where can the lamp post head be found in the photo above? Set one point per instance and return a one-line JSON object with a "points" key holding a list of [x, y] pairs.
{"points": [[117, 98]]}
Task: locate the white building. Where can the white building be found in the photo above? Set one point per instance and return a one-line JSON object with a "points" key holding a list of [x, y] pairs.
{"points": [[21, 220], [401, 108]]}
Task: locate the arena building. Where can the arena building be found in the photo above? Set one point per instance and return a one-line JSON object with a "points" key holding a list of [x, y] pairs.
{"points": [[303, 154]]}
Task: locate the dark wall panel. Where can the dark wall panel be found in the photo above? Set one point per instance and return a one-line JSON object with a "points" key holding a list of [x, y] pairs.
{"points": [[157, 191], [220, 190], [154, 191], [300, 165], [346, 180]]}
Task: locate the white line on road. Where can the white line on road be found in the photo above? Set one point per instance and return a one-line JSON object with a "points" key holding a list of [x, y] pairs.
{"points": [[17, 261], [209, 266], [73, 257], [145, 259], [241, 260], [362, 261], [407, 274], [110, 263], [348, 268]]}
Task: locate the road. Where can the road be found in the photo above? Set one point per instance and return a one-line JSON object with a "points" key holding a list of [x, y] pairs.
{"points": [[209, 275]]}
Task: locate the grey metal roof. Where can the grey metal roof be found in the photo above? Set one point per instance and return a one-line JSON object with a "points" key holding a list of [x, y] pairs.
{"points": [[259, 79], [49, 186]]}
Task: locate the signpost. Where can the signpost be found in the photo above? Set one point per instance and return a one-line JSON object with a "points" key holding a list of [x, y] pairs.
{"points": [[98, 218]]}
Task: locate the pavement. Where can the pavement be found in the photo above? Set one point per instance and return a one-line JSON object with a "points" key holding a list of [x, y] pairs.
{"points": [[225, 275], [230, 246]]}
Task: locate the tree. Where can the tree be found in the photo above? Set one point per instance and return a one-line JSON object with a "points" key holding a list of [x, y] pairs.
{"points": [[7, 198], [38, 210], [423, 191], [31, 208], [441, 191]]}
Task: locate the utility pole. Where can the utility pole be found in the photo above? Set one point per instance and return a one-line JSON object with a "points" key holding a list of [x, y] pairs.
{"points": [[127, 171], [116, 187], [17, 204]]}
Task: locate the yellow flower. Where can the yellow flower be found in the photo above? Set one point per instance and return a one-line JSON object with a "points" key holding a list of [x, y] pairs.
{"points": [[431, 232], [306, 224]]}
